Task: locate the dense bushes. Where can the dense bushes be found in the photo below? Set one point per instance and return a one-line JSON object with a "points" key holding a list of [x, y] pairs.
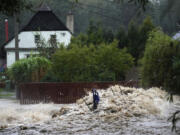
{"points": [[93, 63], [159, 66], [134, 38], [29, 70]]}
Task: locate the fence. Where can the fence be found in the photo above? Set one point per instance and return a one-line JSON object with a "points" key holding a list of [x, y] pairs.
{"points": [[2, 85], [61, 93]]}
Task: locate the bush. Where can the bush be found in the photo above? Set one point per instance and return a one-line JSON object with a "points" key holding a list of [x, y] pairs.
{"points": [[175, 82], [157, 64], [93, 63], [29, 70]]}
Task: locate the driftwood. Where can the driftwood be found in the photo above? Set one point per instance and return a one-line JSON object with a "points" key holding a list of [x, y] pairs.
{"points": [[174, 120]]}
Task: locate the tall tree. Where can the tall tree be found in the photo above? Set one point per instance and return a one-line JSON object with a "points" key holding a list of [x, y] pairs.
{"points": [[9, 7]]}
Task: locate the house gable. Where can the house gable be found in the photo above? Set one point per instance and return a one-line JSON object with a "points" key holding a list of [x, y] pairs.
{"points": [[45, 21], [46, 24]]}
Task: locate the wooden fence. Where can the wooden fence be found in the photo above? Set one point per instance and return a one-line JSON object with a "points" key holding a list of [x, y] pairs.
{"points": [[2, 85], [61, 93]]}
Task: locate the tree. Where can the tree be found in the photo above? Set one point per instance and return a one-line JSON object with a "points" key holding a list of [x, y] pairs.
{"points": [[175, 83], [121, 36], [142, 3], [29, 70], [9, 7], [95, 34], [105, 62], [133, 37], [158, 65], [145, 28]]}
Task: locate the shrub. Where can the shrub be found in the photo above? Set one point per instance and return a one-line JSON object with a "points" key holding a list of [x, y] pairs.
{"points": [[157, 63], [93, 63], [29, 70]]}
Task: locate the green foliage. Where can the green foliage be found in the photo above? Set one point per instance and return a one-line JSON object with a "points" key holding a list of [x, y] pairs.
{"points": [[74, 64], [29, 70], [135, 38], [115, 60], [122, 37], [93, 63], [145, 28], [95, 34], [158, 68], [175, 82], [3, 76], [46, 48], [9, 7], [142, 3]]}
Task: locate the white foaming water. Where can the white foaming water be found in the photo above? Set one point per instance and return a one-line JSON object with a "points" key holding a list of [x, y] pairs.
{"points": [[142, 110], [131, 101], [11, 112]]}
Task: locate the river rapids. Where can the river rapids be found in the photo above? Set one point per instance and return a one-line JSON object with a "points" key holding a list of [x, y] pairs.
{"points": [[121, 111]]}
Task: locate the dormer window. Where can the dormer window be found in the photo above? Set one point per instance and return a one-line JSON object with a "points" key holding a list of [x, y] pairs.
{"points": [[53, 39], [37, 39]]}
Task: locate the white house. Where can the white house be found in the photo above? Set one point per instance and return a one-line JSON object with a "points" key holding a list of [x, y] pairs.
{"points": [[43, 24], [177, 36]]}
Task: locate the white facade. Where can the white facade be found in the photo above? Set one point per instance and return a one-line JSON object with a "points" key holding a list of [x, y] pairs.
{"points": [[27, 41], [22, 55], [177, 36]]}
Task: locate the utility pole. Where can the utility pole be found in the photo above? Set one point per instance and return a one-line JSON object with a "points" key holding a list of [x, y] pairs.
{"points": [[16, 32]]}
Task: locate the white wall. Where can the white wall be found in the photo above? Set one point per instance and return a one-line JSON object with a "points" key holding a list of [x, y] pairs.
{"points": [[26, 39], [177, 36], [10, 58], [22, 55]]}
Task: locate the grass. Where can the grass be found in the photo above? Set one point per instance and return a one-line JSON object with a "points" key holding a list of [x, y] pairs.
{"points": [[1, 89], [4, 94]]}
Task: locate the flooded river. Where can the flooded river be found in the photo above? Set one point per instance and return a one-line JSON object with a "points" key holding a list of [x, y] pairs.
{"points": [[122, 111]]}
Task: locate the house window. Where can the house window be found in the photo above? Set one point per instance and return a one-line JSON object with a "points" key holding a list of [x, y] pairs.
{"points": [[37, 39], [31, 55], [63, 34], [53, 39], [27, 55]]}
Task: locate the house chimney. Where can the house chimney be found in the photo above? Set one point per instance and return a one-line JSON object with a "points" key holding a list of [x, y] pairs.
{"points": [[70, 21], [6, 29]]}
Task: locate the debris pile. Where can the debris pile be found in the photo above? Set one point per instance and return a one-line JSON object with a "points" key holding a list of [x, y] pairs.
{"points": [[128, 102]]}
